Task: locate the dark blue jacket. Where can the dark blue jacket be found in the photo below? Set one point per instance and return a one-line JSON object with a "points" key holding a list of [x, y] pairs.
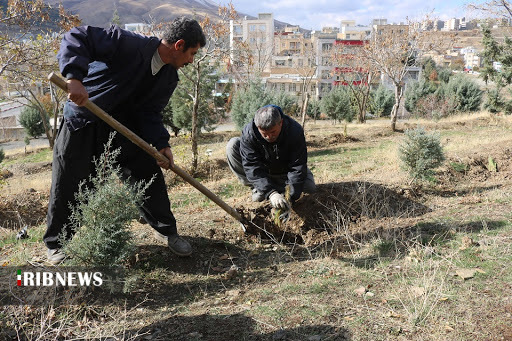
{"points": [[288, 155], [115, 68]]}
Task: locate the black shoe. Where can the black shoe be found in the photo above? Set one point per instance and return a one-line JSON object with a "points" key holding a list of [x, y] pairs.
{"points": [[177, 244]]}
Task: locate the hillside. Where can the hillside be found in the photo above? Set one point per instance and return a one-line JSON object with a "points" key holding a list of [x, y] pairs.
{"points": [[100, 13]]}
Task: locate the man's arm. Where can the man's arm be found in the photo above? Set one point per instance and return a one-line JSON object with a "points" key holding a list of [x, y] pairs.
{"points": [[85, 44], [253, 162], [297, 166]]}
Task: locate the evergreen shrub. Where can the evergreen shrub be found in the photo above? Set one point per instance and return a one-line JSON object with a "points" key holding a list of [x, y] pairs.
{"points": [[420, 153], [30, 119], [103, 213]]}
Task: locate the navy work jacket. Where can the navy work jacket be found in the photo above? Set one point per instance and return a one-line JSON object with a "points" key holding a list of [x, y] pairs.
{"points": [[287, 156], [115, 67]]}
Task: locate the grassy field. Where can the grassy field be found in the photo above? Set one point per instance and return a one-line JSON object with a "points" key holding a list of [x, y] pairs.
{"points": [[387, 260]]}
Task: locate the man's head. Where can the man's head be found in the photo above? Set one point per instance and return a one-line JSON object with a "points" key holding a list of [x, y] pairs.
{"points": [[269, 122], [181, 41]]}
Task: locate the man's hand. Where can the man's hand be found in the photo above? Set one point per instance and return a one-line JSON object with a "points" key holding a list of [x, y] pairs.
{"points": [[168, 154], [77, 92], [277, 200]]}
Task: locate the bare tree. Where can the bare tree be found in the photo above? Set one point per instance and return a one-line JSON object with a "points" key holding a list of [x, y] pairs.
{"points": [[498, 8], [393, 51], [28, 50], [217, 48], [306, 73], [355, 71]]}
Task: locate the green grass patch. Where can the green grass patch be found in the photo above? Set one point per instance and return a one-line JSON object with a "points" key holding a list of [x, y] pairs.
{"points": [[317, 288], [35, 235], [291, 289], [18, 252], [270, 311], [459, 167], [341, 160], [232, 189], [41, 155], [183, 200]]}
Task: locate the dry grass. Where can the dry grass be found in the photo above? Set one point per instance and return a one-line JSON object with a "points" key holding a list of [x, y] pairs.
{"points": [[379, 277]]}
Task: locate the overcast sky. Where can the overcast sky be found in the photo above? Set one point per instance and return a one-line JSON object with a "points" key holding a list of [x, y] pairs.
{"points": [[315, 14]]}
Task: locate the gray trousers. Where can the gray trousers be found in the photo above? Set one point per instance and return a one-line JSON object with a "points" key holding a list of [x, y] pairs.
{"points": [[235, 164]]}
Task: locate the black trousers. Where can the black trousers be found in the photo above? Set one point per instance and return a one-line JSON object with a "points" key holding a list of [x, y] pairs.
{"points": [[73, 155]]}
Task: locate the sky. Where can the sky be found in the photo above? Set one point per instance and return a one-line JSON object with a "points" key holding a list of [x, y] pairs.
{"points": [[315, 14]]}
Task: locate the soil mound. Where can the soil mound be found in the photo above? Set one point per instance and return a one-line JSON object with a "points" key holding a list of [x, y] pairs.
{"points": [[27, 208], [333, 208], [328, 141]]}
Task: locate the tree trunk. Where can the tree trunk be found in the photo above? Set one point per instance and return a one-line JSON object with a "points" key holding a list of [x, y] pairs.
{"points": [[304, 111], [361, 117], [42, 113], [394, 112], [195, 130]]}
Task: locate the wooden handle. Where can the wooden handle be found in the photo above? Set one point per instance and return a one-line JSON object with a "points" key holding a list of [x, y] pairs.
{"points": [[61, 83]]}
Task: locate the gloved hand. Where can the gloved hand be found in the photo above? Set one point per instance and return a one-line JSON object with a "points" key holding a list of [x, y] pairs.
{"points": [[277, 200]]}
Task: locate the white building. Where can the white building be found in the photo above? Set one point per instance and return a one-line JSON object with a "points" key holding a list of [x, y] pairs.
{"points": [[137, 27], [258, 34], [351, 31]]}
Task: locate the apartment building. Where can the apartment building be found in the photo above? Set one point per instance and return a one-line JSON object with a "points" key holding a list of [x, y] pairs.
{"points": [[351, 31], [323, 43], [289, 60], [452, 24], [391, 29], [258, 34], [346, 69], [293, 63], [291, 42]]}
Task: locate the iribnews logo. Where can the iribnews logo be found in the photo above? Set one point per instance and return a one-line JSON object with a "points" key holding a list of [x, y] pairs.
{"points": [[49, 279]]}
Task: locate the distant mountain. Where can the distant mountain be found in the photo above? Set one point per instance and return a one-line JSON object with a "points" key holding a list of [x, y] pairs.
{"points": [[100, 13]]}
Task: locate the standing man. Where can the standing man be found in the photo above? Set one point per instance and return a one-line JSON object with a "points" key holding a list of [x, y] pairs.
{"points": [[270, 154], [131, 77]]}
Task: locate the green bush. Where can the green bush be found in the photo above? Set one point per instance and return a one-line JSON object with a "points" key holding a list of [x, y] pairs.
{"points": [[420, 153], [381, 101], [286, 101], [416, 91], [465, 92], [167, 118], [429, 68], [313, 110], [182, 100], [30, 119], [444, 74], [494, 102], [102, 215], [247, 101], [435, 106], [337, 105]]}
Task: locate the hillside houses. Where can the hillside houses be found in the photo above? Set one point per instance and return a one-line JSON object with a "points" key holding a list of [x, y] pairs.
{"points": [[300, 62], [289, 58]]}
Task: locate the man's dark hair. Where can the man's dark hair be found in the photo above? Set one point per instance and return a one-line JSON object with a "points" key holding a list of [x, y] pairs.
{"points": [[187, 29], [268, 116]]}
